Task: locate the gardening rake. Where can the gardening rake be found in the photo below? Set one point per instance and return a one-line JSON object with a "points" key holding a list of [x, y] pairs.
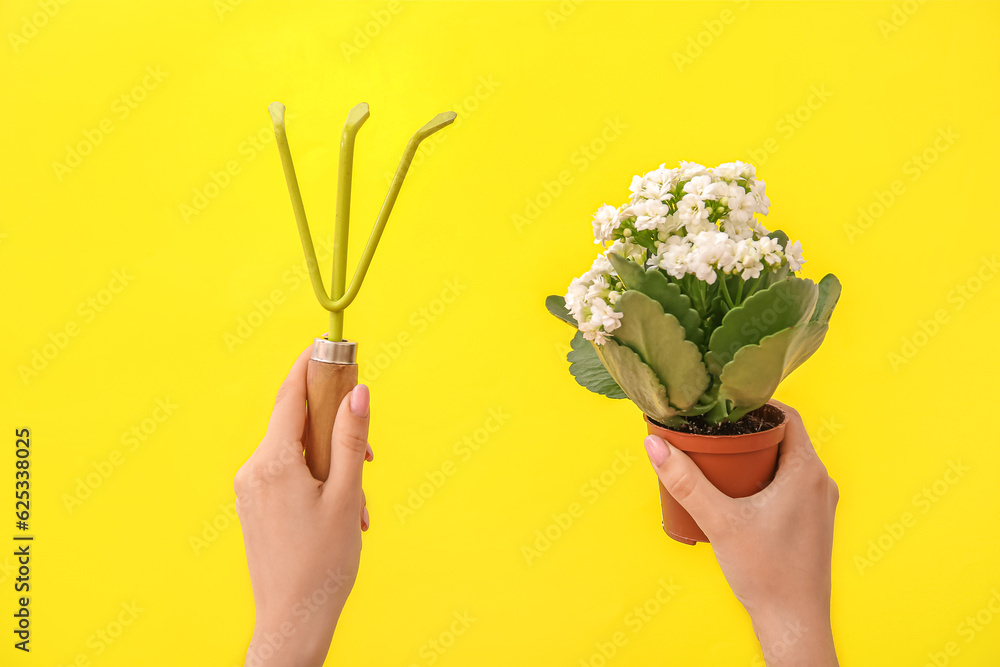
{"points": [[333, 369]]}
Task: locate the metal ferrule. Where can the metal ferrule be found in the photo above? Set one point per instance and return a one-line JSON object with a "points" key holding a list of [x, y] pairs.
{"points": [[334, 352]]}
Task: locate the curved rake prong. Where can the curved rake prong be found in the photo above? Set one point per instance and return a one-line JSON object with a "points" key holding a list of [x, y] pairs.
{"points": [[277, 111], [438, 122], [356, 117]]}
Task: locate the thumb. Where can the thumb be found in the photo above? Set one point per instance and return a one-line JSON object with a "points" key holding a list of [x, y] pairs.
{"points": [[687, 485], [349, 444]]}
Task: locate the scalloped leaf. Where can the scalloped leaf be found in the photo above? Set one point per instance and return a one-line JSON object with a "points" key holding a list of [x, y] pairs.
{"points": [[657, 286], [826, 301], [751, 378], [589, 371], [557, 306], [780, 306], [659, 340], [638, 380], [654, 284]]}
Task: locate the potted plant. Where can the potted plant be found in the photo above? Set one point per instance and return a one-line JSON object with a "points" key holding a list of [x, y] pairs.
{"points": [[693, 312]]}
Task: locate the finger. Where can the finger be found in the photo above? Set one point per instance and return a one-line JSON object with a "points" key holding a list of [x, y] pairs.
{"points": [[687, 485], [288, 418], [796, 448], [349, 444], [365, 519], [369, 454]]}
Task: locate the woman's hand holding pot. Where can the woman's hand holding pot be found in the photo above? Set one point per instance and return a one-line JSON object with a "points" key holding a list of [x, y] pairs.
{"points": [[774, 547]]}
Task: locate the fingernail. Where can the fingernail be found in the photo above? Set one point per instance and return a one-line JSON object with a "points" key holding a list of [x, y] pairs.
{"points": [[656, 449], [359, 401], [365, 520], [369, 454]]}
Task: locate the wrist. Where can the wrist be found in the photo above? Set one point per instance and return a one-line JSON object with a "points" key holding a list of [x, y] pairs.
{"points": [[284, 644], [795, 637]]}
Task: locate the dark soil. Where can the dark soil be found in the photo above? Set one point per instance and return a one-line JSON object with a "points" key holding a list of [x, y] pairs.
{"points": [[761, 419]]}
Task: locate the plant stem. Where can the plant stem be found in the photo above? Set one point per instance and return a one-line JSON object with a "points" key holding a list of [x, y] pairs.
{"points": [[725, 291]]}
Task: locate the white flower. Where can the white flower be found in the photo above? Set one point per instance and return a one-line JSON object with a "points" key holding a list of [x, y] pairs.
{"points": [[598, 336], [601, 266], [575, 299], [748, 257], [706, 188], [741, 203], [606, 221], [649, 214], [716, 190], [730, 171], [702, 270], [663, 176], [638, 182], [603, 315], [598, 289], [738, 231], [770, 250], [757, 190], [689, 170], [672, 256], [758, 228], [793, 253], [710, 250], [657, 185], [625, 248], [670, 224], [592, 332], [698, 184], [692, 212], [656, 191]]}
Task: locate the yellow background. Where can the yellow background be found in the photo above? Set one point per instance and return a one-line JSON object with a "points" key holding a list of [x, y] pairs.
{"points": [[534, 84]]}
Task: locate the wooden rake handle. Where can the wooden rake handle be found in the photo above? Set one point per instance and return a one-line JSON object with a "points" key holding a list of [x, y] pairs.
{"points": [[330, 375]]}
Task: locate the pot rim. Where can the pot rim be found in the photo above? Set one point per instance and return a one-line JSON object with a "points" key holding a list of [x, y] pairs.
{"points": [[722, 444]]}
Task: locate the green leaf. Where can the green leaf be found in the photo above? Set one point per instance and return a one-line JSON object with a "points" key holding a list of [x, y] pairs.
{"points": [[658, 287], [780, 306], [829, 294], [806, 344], [557, 306], [659, 340], [588, 370], [630, 272], [750, 379], [637, 380]]}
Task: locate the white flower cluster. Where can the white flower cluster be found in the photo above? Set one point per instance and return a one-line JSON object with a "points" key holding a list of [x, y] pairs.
{"points": [[687, 200], [706, 253], [690, 220], [592, 296]]}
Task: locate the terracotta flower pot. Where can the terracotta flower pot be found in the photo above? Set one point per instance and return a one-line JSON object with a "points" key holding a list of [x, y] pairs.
{"points": [[738, 465]]}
